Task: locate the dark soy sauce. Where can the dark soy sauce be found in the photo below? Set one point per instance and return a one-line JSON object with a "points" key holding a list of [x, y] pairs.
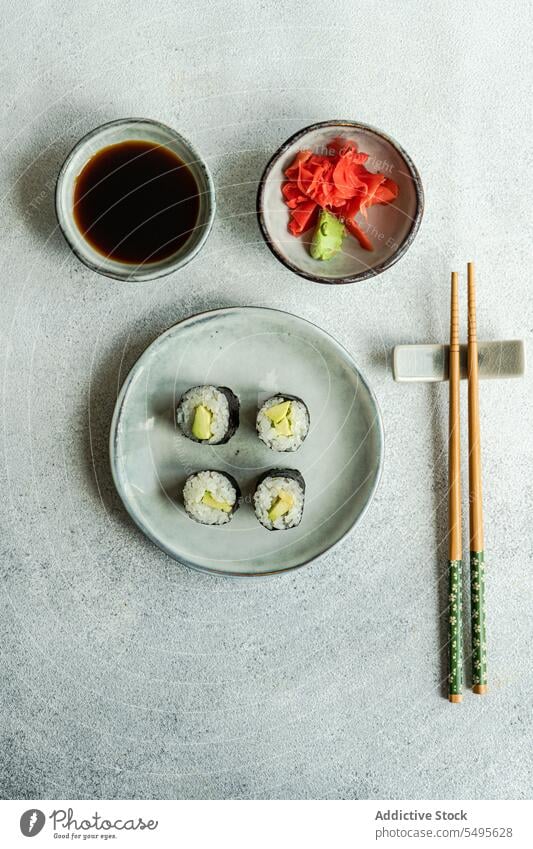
{"points": [[136, 202]]}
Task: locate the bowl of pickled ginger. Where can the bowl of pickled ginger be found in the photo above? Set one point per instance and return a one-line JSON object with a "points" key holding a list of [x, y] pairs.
{"points": [[339, 202]]}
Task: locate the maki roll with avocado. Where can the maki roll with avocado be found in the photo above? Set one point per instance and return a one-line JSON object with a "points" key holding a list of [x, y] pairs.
{"points": [[279, 499], [283, 422], [211, 497], [208, 414]]}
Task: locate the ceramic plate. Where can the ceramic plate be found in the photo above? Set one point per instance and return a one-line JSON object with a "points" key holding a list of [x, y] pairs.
{"points": [[390, 227], [256, 352]]}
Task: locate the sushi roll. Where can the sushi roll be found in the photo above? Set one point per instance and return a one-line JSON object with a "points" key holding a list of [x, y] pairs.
{"points": [[283, 422], [211, 497], [279, 499], [208, 414]]}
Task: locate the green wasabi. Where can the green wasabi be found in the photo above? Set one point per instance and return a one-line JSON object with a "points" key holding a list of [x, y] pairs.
{"points": [[328, 236]]}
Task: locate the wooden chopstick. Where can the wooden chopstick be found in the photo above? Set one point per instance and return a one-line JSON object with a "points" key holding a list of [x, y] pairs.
{"points": [[477, 554], [455, 564]]}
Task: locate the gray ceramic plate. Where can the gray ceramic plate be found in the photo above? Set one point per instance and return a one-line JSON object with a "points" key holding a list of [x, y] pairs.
{"points": [[256, 352]]}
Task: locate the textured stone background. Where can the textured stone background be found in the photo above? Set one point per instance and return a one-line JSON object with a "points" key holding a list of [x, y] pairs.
{"points": [[125, 675]]}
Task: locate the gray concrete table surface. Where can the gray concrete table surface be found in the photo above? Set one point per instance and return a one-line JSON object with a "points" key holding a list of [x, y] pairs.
{"points": [[123, 674]]}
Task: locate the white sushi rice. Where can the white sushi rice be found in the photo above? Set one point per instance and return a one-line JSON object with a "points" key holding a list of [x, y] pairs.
{"points": [[266, 494], [220, 488], [299, 419], [215, 401]]}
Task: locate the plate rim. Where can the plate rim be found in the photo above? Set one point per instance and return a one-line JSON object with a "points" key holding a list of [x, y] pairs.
{"points": [[119, 404]]}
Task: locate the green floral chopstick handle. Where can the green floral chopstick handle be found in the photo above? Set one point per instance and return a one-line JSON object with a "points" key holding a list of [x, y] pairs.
{"points": [[455, 630], [479, 636]]}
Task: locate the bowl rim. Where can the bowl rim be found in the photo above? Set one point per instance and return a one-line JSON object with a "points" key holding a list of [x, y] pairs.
{"points": [[362, 275], [170, 265], [113, 440]]}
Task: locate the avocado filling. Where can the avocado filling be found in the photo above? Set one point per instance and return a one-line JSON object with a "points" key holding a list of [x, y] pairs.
{"points": [[280, 416], [283, 427], [281, 505], [201, 426], [209, 499]]}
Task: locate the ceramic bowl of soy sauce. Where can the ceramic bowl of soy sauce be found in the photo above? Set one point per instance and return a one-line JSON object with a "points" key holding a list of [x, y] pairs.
{"points": [[135, 200]]}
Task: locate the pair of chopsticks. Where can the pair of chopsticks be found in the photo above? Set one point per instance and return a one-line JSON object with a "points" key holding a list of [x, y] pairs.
{"points": [[477, 566]]}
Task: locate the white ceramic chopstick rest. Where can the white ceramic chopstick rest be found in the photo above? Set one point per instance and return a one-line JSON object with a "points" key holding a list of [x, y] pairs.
{"points": [[429, 363]]}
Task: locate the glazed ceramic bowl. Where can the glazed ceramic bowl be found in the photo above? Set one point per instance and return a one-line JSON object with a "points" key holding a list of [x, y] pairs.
{"points": [[129, 129], [390, 227]]}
